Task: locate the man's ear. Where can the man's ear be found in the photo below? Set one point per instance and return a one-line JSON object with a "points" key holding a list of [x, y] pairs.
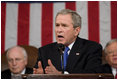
{"points": [[77, 31], [26, 61]]}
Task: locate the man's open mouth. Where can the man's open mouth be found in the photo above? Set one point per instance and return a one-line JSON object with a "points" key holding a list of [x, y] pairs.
{"points": [[60, 36]]}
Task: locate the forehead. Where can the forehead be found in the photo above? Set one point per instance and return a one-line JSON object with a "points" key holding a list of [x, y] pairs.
{"points": [[113, 45], [64, 17], [15, 53]]}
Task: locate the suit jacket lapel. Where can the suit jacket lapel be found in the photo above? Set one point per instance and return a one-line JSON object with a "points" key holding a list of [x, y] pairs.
{"points": [[74, 54]]}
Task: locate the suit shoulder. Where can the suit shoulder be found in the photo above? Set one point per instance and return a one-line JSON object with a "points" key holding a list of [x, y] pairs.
{"points": [[5, 71], [106, 68], [6, 74], [90, 43], [48, 46], [29, 70], [106, 65]]}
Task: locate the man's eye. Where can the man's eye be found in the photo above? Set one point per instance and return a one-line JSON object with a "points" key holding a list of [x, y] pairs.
{"points": [[18, 59], [64, 25], [10, 60], [110, 53], [57, 25]]}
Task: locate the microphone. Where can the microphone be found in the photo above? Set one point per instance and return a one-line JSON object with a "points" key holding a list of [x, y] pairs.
{"points": [[61, 48]]}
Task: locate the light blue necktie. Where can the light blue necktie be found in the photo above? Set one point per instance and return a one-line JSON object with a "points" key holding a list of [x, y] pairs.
{"points": [[65, 55]]}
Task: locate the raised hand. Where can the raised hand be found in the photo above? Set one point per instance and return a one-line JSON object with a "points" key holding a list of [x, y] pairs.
{"points": [[51, 69], [39, 70]]}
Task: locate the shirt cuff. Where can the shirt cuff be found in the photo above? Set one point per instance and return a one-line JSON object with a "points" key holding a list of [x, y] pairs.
{"points": [[65, 72]]}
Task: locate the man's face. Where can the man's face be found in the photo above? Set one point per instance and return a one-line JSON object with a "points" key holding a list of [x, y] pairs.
{"points": [[65, 33], [16, 60], [111, 56]]}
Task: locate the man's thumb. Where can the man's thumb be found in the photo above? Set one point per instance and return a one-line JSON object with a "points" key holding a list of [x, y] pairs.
{"points": [[49, 62], [39, 64]]}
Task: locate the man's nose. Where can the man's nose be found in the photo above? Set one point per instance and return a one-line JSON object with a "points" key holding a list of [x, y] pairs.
{"points": [[14, 62], [60, 29], [114, 53]]}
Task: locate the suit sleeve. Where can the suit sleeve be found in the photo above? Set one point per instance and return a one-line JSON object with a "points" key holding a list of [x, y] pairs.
{"points": [[43, 58], [94, 59], [38, 59]]}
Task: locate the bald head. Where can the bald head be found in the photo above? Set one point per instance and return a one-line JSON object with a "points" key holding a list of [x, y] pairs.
{"points": [[17, 48], [111, 53], [17, 59]]}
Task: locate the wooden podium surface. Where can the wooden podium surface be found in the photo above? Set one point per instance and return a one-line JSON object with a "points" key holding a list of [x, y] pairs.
{"points": [[67, 76]]}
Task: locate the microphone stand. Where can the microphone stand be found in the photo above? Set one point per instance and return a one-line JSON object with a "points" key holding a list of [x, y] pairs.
{"points": [[62, 58], [61, 49]]}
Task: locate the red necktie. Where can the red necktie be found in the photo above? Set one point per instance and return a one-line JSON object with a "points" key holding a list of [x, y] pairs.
{"points": [[116, 76]]}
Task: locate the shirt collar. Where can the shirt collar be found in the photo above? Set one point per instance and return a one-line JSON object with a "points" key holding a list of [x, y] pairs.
{"points": [[71, 45], [23, 72], [113, 71]]}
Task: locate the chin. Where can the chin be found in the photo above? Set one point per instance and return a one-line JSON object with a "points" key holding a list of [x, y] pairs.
{"points": [[115, 62], [16, 72], [60, 42]]}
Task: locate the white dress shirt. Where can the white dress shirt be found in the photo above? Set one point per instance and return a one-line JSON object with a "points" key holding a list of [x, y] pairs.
{"points": [[23, 72], [113, 71], [70, 47], [17, 76]]}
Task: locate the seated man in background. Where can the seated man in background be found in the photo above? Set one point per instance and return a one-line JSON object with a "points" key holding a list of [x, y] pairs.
{"points": [[17, 61], [111, 58]]}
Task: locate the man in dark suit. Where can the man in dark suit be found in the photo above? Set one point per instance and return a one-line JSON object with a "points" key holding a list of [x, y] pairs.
{"points": [[110, 53], [84, 56], [17, 61]]}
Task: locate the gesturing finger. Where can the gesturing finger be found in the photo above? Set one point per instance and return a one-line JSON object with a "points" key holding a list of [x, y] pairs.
{"points": [[49, 62], [39, 65]]}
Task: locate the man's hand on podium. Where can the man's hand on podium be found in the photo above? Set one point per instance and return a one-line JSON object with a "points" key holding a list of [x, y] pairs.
{"points": [[39, 70], [51, 69]]}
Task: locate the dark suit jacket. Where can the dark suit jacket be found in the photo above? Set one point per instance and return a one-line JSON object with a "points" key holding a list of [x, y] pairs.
{"points": [[106, 68], [7, 74], [88, 60]]}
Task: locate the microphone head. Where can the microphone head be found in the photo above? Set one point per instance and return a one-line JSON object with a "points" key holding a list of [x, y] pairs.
{"points": [[61, 47]]}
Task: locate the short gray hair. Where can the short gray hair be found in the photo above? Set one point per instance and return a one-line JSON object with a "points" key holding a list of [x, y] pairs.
{"points": [[23, 51], [110, 42], [76, 18]]}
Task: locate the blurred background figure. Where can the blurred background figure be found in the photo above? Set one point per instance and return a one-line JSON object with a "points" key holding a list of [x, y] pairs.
{"points": [[110, 53], [17, 61]]}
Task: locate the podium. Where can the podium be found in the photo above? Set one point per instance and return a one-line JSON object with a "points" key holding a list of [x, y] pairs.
{"points": [[66, 76]]}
